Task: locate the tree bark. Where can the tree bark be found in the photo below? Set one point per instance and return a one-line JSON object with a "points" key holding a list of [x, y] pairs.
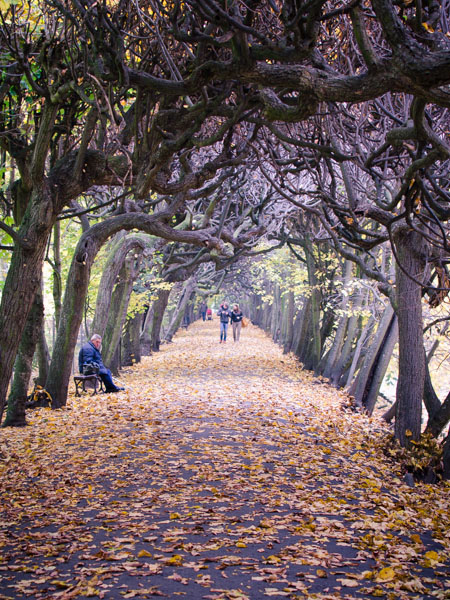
{"points": [[43, 355], [131, 345], [22, 282], [361, 386], [289, 322], [159, 308], [118, 313], [411, 365], [15, 416], [56, 276], [183, 301], [380, 366], [119, 250]]}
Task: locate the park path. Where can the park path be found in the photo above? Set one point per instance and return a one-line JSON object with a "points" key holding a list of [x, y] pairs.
{"points": [[223, 472]]}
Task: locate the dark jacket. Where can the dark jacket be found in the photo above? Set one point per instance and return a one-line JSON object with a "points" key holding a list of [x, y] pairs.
{"points": [[89, 353], [236, 317], [224, 314]]}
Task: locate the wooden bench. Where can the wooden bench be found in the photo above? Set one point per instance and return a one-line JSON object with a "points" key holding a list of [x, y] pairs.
{"points": [[94, 382]]}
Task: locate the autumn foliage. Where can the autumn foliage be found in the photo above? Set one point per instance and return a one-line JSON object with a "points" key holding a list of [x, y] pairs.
{"points": [[222, 472]]}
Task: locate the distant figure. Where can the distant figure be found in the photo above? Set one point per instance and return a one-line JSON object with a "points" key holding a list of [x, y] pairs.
{"points": [[209, 314], [203, 309], [225, 315], [90, 353], [236, 322]]}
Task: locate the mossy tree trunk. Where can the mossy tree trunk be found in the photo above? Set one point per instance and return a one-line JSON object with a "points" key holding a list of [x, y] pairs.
{"points": [[15, 416]]}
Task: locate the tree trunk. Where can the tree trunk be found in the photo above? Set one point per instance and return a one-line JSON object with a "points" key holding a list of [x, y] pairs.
{"points": [[380, 366], [289, 322], [120, 247], [56, 276], [411, 364], [159, 308], [439, 419], [183, 301], [118, 313], [131, 344], [360, 387], [350, 342], [446, 458], [356, 360], [146, 332], [275, 316], [22, 282], [15, 416], [430, 398], [43, 356]]}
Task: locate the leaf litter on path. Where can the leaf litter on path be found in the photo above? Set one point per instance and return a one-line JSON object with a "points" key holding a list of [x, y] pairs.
{"points": [[227, 473]]}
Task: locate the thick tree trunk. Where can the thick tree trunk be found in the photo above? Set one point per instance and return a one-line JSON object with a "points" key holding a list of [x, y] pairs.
{"points": [[120, 247], [411, 365], [22, 282], [15, 416], [118, 313], [131, 344], [159, 308]]}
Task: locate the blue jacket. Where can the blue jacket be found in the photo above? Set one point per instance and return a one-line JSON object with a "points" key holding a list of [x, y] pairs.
{"points": [[89, 353], [224, 314]]}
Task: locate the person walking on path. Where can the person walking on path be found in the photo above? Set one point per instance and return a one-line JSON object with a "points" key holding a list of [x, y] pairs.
{"points": [[225, 314], [90, 353], [236, 322], [203, 309]]}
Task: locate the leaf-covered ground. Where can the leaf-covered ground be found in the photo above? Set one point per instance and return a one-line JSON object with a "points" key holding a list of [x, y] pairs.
{"points": [[223, 472]]}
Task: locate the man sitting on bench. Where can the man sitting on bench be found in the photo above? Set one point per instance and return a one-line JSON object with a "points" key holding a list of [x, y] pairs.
{"points": [[90, 353]]}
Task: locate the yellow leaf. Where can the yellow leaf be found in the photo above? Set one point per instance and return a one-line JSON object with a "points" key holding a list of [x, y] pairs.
{"points": [[273, 559], [416, 538], [386, 574], [175, 516], [321, 573], [241, 545], [175, 560], [144, 553]]}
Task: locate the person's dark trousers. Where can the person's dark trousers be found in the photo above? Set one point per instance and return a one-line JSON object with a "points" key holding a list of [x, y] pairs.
{"points": [[204, 316], [107, 380]]}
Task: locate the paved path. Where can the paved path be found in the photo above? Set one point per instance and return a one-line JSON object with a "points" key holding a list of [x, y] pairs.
{"points": [[224, 473]]}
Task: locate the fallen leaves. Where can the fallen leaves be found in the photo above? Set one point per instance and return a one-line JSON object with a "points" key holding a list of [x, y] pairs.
{"points": [[231, 474]]}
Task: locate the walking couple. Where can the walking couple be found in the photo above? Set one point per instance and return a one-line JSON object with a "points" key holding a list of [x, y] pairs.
{"points": [[226, 315]]}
